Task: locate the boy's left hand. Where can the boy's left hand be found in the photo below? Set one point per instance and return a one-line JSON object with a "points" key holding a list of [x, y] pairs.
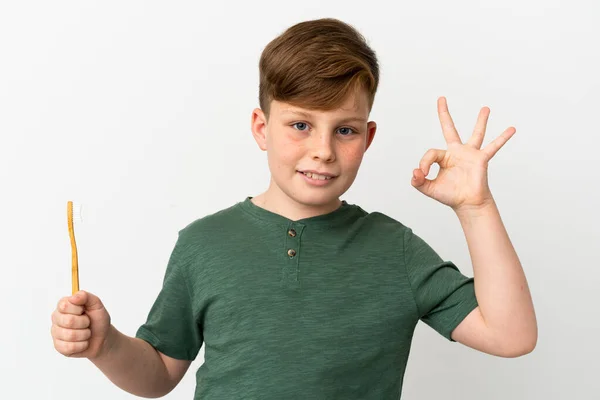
{"points": [[462, 181]]}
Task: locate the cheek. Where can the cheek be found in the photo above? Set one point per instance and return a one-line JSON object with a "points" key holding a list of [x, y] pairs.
{"points": [[283, 149], [352, 155]]}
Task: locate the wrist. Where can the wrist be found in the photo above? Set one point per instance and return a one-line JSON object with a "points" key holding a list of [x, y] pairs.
{"points": [[108, 345], [469, 211]]}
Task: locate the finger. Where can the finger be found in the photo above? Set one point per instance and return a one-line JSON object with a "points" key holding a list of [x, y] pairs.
{"points": [[492, 148], [430, 157], [71, 321], [476, 138], [70, 335], [448, 129], [66, 307], [70, 348], [87, 300], [421, 183]]}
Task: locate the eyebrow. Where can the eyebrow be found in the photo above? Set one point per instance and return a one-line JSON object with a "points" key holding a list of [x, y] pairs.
{"points": [[307, 115]]}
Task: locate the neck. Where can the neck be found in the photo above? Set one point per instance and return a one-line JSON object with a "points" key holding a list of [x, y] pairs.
{"points": [[276, 201]]}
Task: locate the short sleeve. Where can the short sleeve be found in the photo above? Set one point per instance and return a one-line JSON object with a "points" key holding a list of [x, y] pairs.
{"points": [[171, 326], [443, 295]]}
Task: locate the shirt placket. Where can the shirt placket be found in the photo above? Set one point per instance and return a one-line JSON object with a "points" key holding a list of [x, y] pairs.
{"points": [[293, 250]]}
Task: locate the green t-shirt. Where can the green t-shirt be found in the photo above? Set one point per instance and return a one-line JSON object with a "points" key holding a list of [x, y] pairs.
{"points": [[319, 308]]}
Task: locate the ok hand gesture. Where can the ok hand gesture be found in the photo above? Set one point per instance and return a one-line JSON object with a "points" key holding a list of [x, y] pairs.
{"points": [[462, 181]]}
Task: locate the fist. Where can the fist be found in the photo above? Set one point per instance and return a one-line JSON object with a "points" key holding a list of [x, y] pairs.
{"points": [[80, 326]]}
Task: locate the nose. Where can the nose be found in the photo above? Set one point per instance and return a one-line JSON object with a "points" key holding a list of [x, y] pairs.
{"points": [[322, 147]]}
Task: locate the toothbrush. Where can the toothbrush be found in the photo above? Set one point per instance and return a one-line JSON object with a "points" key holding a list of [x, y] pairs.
{"points": [[74, 215]]}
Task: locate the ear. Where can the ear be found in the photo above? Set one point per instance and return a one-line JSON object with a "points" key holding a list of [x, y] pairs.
{"points": [[371, 129], [259, 128]]}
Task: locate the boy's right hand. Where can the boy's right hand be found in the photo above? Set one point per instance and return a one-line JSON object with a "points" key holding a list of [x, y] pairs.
{"points": [[80, 326]]}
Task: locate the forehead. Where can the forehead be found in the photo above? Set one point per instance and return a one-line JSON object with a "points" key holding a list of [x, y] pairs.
{"points": [[353, 105]]}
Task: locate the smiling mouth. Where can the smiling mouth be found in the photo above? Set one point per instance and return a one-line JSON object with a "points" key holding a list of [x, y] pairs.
{"points": [[315, 176]]}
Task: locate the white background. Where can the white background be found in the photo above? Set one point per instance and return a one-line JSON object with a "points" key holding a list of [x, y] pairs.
{"points": [[140, 110]]}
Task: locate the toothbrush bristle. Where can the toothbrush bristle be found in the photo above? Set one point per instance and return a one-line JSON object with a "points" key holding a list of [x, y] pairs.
{"points": [[77, 212]]}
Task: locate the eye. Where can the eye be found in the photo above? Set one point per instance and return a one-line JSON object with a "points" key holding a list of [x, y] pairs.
{"points": [[301, 126], [346, 131]]}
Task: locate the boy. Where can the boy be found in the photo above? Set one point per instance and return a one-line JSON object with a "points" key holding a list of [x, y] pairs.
{"points": [[297, 294]]}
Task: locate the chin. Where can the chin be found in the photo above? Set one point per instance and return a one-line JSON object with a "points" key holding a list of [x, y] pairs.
{"points": [[316, 201], [316, 197]]}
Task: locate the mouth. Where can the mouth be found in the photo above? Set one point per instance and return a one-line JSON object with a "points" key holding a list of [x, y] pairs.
{"points": [[318, 176]]}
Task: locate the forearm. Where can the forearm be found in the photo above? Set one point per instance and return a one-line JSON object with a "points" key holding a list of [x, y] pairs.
{"points": [[134, 365], [500, 284]]}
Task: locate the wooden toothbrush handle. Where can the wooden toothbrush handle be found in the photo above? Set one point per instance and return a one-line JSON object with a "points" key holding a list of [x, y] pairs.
{"points": [[74, 260]]}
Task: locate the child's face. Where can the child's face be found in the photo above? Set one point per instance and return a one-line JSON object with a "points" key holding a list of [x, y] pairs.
{"points": [[314, 156]]}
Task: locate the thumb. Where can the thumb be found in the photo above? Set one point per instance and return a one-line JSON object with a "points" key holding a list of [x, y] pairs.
{"points": [[421, 183], [86, 299]]}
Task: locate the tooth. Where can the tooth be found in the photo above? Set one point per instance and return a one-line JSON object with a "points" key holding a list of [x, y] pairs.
{"points": [[317, 176]]}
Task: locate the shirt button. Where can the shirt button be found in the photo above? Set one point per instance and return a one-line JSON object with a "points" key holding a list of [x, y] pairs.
{"points": [[292, 233], [291, 252]]}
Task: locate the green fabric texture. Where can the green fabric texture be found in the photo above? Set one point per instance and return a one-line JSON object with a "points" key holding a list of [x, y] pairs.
{"points": [[319, 308]]}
